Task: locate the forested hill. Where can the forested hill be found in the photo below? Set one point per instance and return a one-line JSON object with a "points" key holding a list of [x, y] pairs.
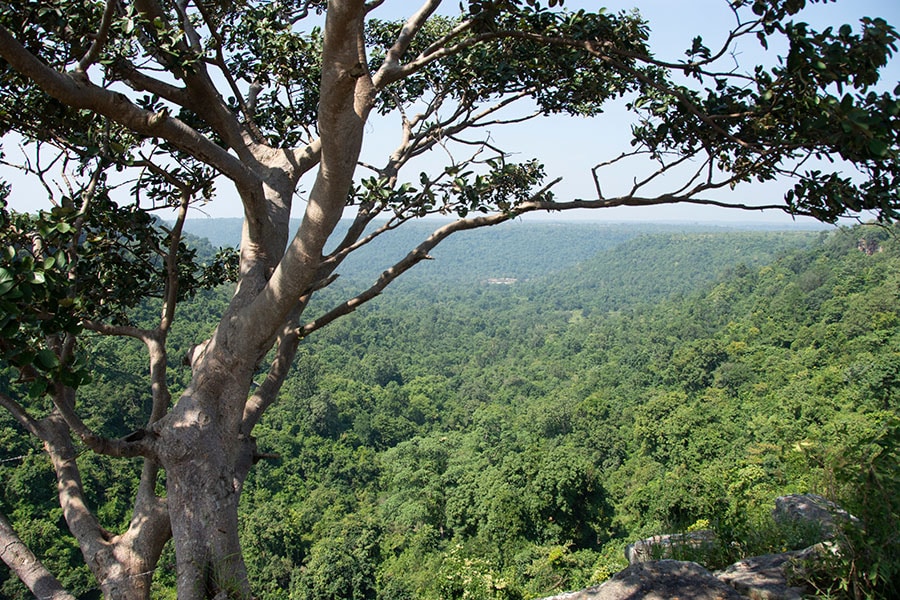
{"points": [[504, 441], [516, 250], [532, 249]]}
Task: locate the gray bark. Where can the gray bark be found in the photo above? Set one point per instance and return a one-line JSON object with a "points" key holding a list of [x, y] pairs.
{"points": [[201, 444], [27, 567]]}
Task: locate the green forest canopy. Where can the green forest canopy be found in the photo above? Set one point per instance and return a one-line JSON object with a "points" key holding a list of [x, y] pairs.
{"points": [[155, 103], [511, 438]]}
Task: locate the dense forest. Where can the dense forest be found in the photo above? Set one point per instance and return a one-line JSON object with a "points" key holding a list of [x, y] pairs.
{"points": [[501, 423]]}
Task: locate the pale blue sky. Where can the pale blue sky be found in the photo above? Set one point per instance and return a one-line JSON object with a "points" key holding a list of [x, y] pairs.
{"points": [[570, 147]]}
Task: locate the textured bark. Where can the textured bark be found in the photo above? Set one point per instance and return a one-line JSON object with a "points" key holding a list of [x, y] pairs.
{"points": [[203, 495], [206, 462], [203, 443], [122, 564], [27, 567]]}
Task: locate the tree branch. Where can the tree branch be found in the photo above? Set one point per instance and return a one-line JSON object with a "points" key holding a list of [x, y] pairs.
{"points": [[77, 91], [433, 53], [93, 52], [64, 401], [267, 392], [247, 108], [27, 567], [347, 97], [553, 206], [19, 413], [82, 523], [207, 101], [414, 257], [412, 26], [139, 81], [116, 330]]}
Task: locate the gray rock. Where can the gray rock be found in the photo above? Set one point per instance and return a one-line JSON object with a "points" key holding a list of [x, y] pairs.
{"points": [[763, 577], [668, 545], [658, 580], [812, 510]]}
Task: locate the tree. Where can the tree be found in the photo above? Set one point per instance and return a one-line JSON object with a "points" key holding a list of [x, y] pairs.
{"points": [[150, 104]]}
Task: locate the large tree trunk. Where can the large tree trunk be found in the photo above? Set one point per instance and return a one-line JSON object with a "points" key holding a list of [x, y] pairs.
{"points": [[201, 445], [206, 461], [203, 499]]}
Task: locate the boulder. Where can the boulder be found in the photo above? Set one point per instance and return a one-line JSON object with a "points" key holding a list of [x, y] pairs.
{"points": [[670, 545], [658, 580], [812, 510], [765, 577]]}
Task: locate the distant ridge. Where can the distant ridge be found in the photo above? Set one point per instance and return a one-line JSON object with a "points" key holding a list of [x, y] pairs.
{"points": [[226, 231], [517, 250]]}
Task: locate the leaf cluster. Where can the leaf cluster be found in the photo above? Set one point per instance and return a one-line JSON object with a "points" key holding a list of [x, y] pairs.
{"points": [[61, 268], [789, 115]]}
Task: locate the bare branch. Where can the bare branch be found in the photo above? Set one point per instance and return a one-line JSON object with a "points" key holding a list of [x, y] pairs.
{"points": [[412, 26], [666, 167], [425, 139], [36, 170], [267, 391], [552, 206], [82, 523], [171, 293], [417, 255], [187, 26], [436, 52], [116, 330], [742, 29], [131, 446], [352, 242], [159, 387], [140, 81]]}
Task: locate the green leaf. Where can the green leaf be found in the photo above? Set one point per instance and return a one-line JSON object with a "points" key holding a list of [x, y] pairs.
{"points": [[38, 387], [46, 359], [878, 147], [10, 329]]}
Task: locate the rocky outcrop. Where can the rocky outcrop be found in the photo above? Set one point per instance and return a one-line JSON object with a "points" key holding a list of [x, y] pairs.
{"points": [[757, 578], [667, 546], [659, 580], [812, 510], [765, 577]]}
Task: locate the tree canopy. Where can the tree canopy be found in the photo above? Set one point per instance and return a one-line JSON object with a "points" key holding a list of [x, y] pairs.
{"points": [[152, 104]]}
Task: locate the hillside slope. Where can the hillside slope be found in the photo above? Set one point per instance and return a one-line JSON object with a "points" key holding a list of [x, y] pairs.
{"points": [[505, 441]]}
